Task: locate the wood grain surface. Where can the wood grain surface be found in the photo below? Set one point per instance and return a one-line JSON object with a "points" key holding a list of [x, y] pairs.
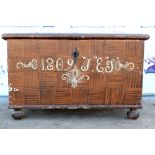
{"points": [[41, 87]]}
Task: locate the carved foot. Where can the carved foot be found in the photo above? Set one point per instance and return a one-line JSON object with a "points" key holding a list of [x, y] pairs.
{"points": [[132, 114], [18, 114]]}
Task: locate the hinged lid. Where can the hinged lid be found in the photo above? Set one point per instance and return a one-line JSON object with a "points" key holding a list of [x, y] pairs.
{"points": [[73, 36]]}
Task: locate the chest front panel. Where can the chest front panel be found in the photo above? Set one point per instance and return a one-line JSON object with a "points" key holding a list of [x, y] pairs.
{"points": [[65, 71]]}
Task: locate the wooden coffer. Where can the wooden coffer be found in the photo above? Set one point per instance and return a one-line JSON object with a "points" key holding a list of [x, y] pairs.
{"points": [[75, 70]]}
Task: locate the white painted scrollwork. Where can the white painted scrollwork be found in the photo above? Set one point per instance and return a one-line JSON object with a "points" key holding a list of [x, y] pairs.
{"points": [[73, 74], [12, 89], [74, 77], [129, 66], [32, 64], [103, 64]]}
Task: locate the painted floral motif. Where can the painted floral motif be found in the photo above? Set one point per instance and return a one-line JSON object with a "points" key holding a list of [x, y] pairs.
{"points": [[74, 77]]}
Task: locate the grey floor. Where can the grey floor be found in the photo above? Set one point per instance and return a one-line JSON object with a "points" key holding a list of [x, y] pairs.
{"points": [[79, 119]]}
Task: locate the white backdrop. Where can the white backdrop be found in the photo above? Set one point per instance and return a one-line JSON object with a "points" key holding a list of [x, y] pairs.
{"points": [[77, 12], [125, 16]]}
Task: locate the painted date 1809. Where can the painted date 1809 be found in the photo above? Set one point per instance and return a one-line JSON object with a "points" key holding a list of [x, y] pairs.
{"points": [[102, 64]]}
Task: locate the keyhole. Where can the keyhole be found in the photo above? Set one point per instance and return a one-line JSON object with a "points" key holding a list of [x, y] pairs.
{"points": [[75, 54]]}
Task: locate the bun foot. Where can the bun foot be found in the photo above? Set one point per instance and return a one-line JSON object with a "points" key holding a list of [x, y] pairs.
{"points": [[132, 114], [18, 114]]}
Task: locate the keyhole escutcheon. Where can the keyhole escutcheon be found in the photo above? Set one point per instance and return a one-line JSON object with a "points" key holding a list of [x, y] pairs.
{"points": [[75, 55]]}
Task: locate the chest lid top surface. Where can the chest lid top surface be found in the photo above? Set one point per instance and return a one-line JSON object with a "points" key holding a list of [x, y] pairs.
{"points": [[74, 36]]}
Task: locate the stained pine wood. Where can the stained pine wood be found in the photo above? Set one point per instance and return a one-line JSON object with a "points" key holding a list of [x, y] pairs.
{"points": [[45, 88]]}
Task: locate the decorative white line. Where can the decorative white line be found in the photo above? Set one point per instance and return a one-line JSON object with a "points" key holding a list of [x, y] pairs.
{"points": [[32, 64]]}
